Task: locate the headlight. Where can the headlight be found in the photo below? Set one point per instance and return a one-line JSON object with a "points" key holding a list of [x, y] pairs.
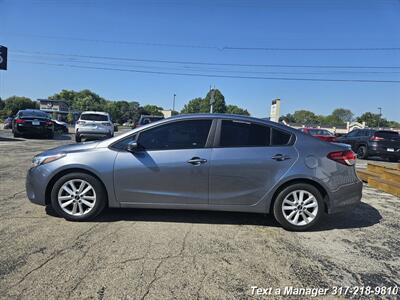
{"points": [[41, 160]]}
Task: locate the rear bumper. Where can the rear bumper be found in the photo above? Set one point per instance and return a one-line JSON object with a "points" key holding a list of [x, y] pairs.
{"points": [[33, 130], [346, 197], [93, 134], [378, 150]]}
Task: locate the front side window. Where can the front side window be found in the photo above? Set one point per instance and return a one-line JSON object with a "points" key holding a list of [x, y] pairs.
{"points": [[244, 134], [190, 134]]}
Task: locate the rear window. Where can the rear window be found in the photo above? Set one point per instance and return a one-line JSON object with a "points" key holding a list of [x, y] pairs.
{"points": [[94, 117], [387, 134], [34, 113], [320, 132]]}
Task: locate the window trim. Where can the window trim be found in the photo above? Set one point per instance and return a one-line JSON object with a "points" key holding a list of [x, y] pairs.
{"points": [[217, 138], [209, 141]]}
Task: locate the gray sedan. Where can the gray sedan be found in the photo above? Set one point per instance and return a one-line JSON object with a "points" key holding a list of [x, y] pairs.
{"points": [[205, 161]]}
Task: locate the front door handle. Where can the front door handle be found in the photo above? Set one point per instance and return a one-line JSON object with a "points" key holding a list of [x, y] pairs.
{"points": [[280, 157], [196, 161]]}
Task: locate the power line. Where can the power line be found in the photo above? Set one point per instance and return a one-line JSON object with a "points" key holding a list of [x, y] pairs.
{"points": [[200, 69], [212, 75], [212, 47], [205, 63]]}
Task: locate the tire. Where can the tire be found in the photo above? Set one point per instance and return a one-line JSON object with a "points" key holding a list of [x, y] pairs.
{"points": [[16, 135], [393, 159], [362, 152], [50, 135], [96, 191], [287, 196], [77, 138]]}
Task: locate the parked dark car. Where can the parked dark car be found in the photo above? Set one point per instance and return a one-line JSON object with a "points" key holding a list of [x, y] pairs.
{"points": [[322, 134], [33, 122], [372, 142], [146, 119], [203, 161], [60, 126], [8, 123]]}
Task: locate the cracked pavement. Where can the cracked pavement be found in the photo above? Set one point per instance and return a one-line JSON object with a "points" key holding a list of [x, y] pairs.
{"points": [[164, 254]]}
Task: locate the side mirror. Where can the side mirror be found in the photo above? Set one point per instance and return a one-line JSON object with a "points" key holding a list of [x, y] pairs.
{"points": [[132, 147]]}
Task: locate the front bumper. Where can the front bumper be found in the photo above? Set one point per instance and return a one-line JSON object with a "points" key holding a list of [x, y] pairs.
{"points": [[346, 197], [36, 182]]}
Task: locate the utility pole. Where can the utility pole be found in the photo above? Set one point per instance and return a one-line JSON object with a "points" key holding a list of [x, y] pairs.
{"points": [[212, 100], [380, 116], [173, 104]]}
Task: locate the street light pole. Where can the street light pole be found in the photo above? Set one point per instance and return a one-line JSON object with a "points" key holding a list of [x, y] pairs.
{"points": [[173, 104], [380, 116]]}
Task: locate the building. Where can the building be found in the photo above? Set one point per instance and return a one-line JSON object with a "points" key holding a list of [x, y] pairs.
{"points": [[59, 109]]}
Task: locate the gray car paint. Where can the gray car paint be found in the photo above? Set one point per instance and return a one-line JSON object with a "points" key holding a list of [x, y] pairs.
{"points": [[233, 179]]}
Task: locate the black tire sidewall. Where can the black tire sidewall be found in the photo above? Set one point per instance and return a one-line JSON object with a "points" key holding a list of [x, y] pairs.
{"points": [[277, 209], [365, 154], [101, 196]]}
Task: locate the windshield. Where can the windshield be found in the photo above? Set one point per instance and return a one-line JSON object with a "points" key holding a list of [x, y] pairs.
{"points": [[94, 117]]}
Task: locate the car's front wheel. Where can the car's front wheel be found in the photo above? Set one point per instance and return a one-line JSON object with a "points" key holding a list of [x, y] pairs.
{"points": [[78, 197], [298, 207]]}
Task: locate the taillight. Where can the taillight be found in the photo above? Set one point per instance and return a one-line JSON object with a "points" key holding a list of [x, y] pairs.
{"points": [[49, 123], [19, 121], [376, 138], [80, 122], [347, 157]]}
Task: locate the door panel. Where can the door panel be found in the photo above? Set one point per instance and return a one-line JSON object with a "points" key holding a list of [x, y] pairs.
{"points": [[243, 176], [162, 177]]}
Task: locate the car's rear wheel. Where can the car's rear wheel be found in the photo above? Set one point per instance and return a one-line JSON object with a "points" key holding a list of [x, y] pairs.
{"points": [[78, 197], [362, 152], [78, 138], [299, 207]]}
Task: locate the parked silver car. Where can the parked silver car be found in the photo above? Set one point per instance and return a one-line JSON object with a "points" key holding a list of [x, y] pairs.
{"points": [[208, 162]]}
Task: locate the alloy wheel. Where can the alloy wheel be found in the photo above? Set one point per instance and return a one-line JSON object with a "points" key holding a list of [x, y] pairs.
{"points": [[300, 207], [76, 197]]}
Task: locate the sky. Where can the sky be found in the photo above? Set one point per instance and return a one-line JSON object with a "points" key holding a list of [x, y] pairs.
{"points": [[253, 51]]}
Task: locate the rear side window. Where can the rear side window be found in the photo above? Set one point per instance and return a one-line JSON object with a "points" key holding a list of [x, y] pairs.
{"points": [[279, 137], [94, 117], [387, 134], [178, 135], [244, 134]]}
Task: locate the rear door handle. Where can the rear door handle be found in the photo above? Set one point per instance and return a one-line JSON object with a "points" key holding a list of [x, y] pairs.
{"points": [[280, 157], [196, 161]]}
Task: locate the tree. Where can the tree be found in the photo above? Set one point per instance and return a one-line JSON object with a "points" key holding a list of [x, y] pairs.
{"points": [[193, 107], [202, 105], [219, 105], [70, 118], [13, 104], [153, 110], [233, 109], [305, 117], [2, 104], [343, 115], [288, 118], [373, 120]]}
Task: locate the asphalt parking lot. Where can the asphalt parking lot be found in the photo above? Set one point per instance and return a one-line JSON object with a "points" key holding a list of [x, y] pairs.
{"points": [[161, 254]]}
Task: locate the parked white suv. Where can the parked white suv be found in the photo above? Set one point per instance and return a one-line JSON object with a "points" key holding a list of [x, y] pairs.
{"points": [[93, 124]]}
